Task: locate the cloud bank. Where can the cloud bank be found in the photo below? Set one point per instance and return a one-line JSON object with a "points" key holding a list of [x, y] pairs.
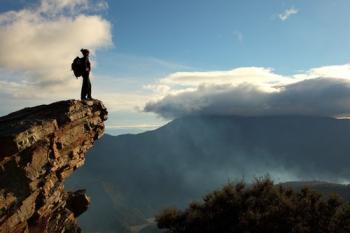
{"points": [[254, 91], [38, 44]]}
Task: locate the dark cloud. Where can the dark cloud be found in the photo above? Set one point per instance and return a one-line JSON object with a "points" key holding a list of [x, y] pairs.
{"points": [[317, 97]]}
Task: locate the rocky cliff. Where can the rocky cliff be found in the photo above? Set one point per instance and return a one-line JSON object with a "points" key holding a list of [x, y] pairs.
{"points": [[39, 148]]}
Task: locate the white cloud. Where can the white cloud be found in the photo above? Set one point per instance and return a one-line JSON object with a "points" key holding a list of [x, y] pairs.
{"points": [[135, 126], [287, 13], [260, 75], [38, 44], [323, 91]]}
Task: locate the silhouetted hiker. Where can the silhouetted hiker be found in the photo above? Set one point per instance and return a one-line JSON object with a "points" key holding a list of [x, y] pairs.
{"points": [[86, 68]]}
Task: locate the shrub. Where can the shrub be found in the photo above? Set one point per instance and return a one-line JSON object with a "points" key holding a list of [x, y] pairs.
{"points": [[260, 208]]}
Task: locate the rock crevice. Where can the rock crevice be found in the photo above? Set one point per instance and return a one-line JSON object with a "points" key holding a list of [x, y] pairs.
{"points": [[39, 148]]}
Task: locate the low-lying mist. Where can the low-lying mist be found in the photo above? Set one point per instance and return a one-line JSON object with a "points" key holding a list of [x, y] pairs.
{"points": [[183, 160]]}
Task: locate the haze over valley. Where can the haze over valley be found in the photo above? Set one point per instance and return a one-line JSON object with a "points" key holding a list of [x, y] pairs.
{"points": [[133, 177]]}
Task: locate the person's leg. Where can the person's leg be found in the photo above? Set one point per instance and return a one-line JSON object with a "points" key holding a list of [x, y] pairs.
{"points": [[88, 88], [83, 89]]}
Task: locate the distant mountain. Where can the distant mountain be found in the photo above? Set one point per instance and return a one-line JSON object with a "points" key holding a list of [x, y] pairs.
{"points": [[191, 156], [325, 188]]}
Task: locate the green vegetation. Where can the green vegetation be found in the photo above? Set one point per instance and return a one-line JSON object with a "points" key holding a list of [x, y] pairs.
{"points": [[260, 208]]}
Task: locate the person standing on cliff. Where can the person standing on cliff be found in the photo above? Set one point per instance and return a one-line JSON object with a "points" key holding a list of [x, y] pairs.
{"points": [[86, 68]]}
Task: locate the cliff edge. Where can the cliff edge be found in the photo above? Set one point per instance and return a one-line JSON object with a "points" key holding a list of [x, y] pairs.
{"points": [[39, 148]]}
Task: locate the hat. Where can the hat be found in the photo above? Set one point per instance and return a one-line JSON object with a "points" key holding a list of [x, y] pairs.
{"points": [[83, 51]]}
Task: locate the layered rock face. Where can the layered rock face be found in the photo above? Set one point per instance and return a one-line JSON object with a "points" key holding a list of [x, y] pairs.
{"points": [[39, 148]]}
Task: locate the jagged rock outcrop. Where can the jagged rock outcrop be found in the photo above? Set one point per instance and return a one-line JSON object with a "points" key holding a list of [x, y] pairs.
{"points": [[39, 148]]}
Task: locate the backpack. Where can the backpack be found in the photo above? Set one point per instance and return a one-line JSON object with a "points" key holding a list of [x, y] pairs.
{"points": [[77, 66]]}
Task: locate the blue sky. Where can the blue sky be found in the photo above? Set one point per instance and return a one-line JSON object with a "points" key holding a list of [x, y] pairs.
{"points": [[144, 43], [205, 34]]}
